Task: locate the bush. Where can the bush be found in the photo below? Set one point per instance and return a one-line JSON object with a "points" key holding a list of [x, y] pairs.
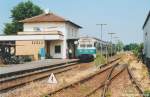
{"points": [[108, 94], [100, 59], [135, 52], [48, 56], [23, 59], [147, 93], [27, 59], [137, 49]]}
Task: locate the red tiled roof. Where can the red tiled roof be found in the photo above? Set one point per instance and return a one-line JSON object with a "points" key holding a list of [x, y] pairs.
{"points": [[49, 17]]}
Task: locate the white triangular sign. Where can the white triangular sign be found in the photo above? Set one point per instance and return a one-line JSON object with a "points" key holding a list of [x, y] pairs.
{"points": [[52, 79]]}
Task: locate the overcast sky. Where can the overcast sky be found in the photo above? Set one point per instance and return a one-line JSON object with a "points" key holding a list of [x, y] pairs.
{"points": [[124, 17]]}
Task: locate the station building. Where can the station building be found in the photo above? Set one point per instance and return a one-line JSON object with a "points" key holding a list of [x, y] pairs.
{"points": [[146, 36], [46, 32]]}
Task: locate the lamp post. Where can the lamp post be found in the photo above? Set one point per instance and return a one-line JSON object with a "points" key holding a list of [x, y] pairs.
{"points": [[101, 25], [111, 34], [117, 39], [107, 51]]}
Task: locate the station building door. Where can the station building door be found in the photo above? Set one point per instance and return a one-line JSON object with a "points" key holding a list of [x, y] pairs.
{"points": [[54, 49], [73, 47]]}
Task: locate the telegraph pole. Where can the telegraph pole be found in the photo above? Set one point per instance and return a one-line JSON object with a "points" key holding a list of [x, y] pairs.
{"points": [[101, 25], [111, 34]]}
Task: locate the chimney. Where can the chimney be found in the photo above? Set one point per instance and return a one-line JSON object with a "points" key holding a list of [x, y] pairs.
{"points": [[47, 11]]}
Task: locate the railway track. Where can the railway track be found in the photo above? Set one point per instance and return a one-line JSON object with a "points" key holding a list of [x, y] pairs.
{"points": [[113, 76], [12, 82], [27, 71], [99, 74], [110, 73], [19, 79], [133, 80]]}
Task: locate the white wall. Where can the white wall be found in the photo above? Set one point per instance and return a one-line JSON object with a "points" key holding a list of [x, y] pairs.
{"points": [[72, 31], [147, 39], [59, 26], [52, 49], [45, 26], [69, 31]]}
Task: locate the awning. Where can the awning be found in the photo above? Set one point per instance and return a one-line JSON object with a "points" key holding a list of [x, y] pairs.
{"points": [[30, 37]]}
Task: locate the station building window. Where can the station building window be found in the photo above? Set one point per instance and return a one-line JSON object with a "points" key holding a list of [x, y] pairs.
{"points": [[146, 34], [37, 42], [36, 29], [57, 49]]}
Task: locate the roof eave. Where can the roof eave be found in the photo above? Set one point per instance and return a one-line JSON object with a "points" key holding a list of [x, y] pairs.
{"points": [[23, 21], [38, 21], [74, 24], [147, 18]]}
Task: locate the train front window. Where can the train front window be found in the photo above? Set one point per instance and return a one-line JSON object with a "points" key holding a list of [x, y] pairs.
{"points": [[82, 45], [89, 45]]}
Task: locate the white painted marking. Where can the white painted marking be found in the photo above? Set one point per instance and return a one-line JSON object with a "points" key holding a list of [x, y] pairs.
{"points": [[52, 79]]}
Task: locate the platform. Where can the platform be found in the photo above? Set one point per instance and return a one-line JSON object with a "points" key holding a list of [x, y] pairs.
{"points": [[33, 65]]}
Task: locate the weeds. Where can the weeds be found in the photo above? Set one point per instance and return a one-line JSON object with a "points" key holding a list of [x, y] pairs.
{"points": [[147, 93], [108, 94], [100, 59]]}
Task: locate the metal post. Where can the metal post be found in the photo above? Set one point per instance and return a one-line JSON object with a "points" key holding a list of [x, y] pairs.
{"points": [[106, 52], [117, 40], [111, 43], [101, 40], [101, 35]]}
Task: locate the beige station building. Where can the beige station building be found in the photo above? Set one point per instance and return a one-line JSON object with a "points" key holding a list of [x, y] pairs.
{"points": [[48, 31]]}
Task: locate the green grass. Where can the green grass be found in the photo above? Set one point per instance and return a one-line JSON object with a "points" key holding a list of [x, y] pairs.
{"points": [[108, 93], [147, 93], [99, 60]]}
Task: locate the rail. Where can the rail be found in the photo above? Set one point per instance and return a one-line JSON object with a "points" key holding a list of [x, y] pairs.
{"points": [[17, 79], [84, 79], [20, 80], [134, 81]]}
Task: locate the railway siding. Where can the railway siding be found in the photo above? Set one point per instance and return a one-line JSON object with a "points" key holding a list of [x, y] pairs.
{"points": [[139, 70], [85, 78], [108, 66], [32, 66], [123, 80]]}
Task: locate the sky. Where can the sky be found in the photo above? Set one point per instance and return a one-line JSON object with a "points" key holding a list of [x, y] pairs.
{"points": [[123, 17]]}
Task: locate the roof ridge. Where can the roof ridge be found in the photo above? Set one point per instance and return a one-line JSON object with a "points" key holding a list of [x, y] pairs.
{"points": [[43, 15], [32, 17], [58, 15]]}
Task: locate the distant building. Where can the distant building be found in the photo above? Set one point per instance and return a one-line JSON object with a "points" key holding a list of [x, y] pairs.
{"points": [[146, 29], [47, 33]]}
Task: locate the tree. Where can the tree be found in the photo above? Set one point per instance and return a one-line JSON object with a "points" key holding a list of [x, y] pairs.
{"points": [[137, 49], [131, 46], [12, 28], [119, 46], [22, 11]]}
